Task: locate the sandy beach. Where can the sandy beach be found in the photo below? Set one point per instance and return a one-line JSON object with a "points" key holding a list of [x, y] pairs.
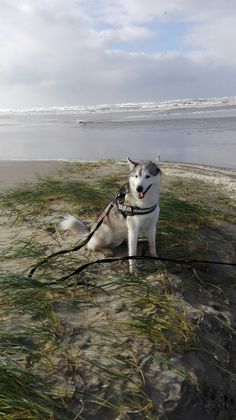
{"points": [[16, 172], [165, 339]]}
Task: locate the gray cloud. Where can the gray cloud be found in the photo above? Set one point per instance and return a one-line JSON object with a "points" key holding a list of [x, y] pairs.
{"points": [[56, 52]]}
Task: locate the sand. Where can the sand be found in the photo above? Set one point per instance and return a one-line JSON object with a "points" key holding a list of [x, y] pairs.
{"points": [[218, 177], [13, 173]]}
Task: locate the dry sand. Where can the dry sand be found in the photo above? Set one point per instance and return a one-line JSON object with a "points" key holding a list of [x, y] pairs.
{"points": [[17, 172], [218, 177]]}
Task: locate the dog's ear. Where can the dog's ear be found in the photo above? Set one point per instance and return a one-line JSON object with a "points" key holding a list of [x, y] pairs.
{"points": [[157, 161], [131, 163]]}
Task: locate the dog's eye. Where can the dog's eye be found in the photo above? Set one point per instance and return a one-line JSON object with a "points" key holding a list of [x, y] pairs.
{"points": [[147, 176], [136, 176]]}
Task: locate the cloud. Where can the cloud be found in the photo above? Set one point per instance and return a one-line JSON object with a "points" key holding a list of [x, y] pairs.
{"points": [[75, 52], [126, 34]]}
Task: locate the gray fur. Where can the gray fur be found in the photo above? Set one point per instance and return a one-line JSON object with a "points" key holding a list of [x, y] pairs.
{"points": [[149, 167]]}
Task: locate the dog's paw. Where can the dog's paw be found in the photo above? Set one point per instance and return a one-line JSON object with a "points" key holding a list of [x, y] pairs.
{"points": [[134, 273], [133, 269]]}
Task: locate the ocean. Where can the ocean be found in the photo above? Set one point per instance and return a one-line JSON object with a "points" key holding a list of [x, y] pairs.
{"points": [[201, 131]]}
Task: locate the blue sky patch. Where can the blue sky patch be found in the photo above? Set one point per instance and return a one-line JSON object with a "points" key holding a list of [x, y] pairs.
{"points": [[167, 37]]}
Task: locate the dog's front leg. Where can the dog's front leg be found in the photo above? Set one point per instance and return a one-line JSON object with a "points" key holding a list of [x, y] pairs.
{"points": [[151, 235], [132, 244]]}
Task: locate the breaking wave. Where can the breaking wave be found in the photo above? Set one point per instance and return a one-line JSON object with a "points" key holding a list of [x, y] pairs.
{"points": [[160, 107]]}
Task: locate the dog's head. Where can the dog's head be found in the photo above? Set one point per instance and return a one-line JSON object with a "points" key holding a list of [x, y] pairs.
{"points": [[144, 176]]}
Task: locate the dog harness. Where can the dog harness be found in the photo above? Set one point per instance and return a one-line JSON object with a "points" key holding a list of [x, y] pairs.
{"points": [[127, 210]]}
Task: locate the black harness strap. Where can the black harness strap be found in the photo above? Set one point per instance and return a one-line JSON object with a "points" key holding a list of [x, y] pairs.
{"points": [[133, 211]]}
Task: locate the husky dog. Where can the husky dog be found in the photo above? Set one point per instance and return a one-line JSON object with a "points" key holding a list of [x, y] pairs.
{"points": [[134, 211]]}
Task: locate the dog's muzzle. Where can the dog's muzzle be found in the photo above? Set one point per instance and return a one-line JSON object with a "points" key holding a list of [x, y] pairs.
{"points": [[141, 193]]}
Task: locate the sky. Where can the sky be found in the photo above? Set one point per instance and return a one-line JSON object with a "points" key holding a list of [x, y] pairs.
{"points": [[88, 52]]}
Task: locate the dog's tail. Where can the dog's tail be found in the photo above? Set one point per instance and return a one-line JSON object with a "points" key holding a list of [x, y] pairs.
{"points": [[72, 223]]}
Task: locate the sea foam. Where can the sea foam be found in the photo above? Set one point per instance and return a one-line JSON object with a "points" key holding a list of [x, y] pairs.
{"points": [[132, 107]]}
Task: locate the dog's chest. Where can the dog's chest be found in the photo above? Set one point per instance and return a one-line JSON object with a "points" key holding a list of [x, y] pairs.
{"points": [[141, 223]]}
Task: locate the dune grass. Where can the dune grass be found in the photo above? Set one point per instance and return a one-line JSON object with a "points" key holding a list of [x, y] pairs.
{"points": [[36, 352], [79, 349]]}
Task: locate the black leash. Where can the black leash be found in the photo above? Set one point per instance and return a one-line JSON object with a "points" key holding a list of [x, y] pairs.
{"points": [[145, 257]]}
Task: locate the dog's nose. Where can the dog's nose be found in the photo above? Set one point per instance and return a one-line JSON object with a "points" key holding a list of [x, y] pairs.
{"points": [[139, 188]]}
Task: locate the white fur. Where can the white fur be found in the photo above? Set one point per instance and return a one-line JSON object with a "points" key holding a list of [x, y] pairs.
{"points": [[115, 229], [72, 223]]}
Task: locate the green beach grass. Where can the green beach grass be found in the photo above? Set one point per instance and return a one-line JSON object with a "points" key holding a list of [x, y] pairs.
{"points": [[84, 348]]}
